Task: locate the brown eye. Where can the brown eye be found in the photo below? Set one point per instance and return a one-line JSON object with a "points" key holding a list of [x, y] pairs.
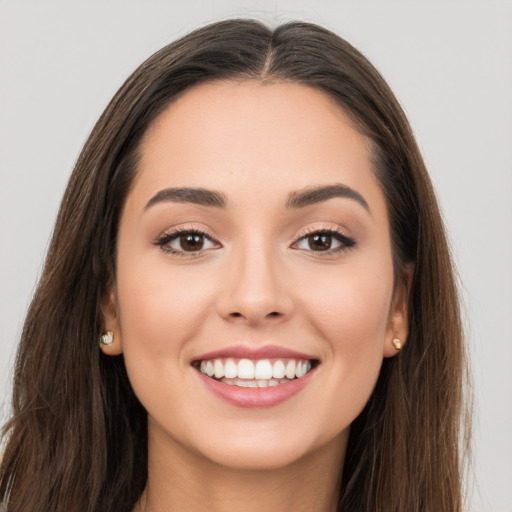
{"points": [[192, 242], [181, 243], [320, 242], [328, 241]]}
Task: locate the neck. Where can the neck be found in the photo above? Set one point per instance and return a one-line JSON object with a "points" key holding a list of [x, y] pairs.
{"points": [[186, 481]]}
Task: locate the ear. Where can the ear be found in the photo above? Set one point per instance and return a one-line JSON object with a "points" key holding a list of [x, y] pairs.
{"points": [[109, 312], [398, 324]]}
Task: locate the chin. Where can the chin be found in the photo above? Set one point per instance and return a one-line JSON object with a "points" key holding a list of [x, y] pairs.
{"points": [[256, 458], [267, 451]]}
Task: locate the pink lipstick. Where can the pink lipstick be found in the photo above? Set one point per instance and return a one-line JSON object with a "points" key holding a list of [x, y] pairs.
{"points": [[255, 377]]}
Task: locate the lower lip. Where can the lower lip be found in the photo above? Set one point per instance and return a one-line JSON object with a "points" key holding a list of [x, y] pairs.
{"points": [[256, 397]]}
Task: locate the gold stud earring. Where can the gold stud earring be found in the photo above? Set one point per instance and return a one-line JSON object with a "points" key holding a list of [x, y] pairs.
{"points": [[397, 343], [106, 339]]}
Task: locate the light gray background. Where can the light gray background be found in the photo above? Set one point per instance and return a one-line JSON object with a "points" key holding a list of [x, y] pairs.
{"points": [[450, 64]]}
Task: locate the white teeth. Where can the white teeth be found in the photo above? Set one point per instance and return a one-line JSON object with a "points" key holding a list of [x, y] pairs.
{"points": [[218, 368], [230, 369], [302, 368], [263, 383], [278, 369], [246, 383], [290, 369], [263, 369], [261, 373], [245, 369]]}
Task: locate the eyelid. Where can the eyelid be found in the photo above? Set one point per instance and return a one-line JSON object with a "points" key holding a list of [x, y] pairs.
{"points": [[165, 238], [347, 242]]}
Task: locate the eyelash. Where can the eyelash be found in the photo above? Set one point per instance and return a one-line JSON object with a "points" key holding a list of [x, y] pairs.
{"points": [[164, 241], [346, 242]]}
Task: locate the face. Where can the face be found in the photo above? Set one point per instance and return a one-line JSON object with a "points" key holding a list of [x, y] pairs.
{"points": [[254, 298]]}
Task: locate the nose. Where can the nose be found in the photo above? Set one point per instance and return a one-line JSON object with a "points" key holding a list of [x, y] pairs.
{"points": [[256, 290]]}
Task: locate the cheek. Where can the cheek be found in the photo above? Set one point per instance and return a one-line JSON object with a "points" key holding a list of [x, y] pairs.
{"points": [[350, 305], [350, 312], [160, 309], [159, 299]]}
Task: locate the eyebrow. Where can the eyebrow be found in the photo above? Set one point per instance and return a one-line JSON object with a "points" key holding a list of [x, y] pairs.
{"points": [[200, 196], [205, 197], [323, 193]]}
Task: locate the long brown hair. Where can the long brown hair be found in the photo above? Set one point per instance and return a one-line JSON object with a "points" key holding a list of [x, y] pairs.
{"points": [[77, 440]]}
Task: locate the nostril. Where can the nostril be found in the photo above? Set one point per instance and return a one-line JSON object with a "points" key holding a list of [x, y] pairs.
{"points": [[237, 314]]}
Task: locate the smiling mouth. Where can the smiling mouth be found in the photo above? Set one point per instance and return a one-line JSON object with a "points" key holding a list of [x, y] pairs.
{"points": [[255, 373]]}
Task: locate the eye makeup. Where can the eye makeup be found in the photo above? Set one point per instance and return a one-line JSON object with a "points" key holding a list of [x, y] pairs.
{"points": [[324, 240], [185, 241], [190, 241]]}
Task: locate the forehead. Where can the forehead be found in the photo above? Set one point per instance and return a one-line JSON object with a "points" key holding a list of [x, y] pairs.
{"points": [[227, 135]]}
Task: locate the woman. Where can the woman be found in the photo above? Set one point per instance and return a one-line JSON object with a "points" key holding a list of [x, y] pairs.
{"points": [[251, 237]]}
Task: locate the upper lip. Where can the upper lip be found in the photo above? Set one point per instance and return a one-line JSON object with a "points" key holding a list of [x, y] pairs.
{"points": [[247, 352]]}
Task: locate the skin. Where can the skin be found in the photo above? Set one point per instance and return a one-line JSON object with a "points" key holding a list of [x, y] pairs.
{"points": [[259, 281]]}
